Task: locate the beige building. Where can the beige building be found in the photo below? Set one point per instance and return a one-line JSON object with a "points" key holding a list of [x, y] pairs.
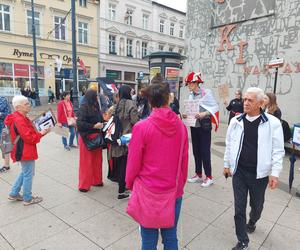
{"points": [[54, 47]]}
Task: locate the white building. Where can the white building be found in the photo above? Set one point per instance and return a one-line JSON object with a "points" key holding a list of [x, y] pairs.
{"points": [[130, 30]]}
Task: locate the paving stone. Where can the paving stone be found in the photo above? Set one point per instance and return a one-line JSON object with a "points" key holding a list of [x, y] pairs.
{"points": [[217, 193], [295, 203], [203, 209], [31, 230], [13, 211], [283, 238], [78, 210], [106, 228], [53, 193], [271, 211], [4, 244], [69, 239], [291, 219], [214, 238]]}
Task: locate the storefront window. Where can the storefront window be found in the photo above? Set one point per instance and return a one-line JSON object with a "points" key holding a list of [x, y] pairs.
{"points": [[113, 74], [129, 76]]}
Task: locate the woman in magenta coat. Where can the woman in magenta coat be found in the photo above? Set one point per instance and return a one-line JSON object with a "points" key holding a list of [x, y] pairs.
{"points": [[153, 158]]}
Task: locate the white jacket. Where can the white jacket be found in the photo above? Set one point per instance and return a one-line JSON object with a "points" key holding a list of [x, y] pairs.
{"points": [[270, 149]]}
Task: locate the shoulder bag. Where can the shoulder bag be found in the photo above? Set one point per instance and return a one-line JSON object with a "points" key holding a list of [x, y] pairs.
{"points": [[70, 120]]}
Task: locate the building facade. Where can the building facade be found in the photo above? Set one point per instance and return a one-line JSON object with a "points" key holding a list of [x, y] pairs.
{"points": [[54, 44], [130, 30], [232, 43]]}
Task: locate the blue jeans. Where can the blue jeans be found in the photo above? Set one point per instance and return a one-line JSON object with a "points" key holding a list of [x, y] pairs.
{"points": [[71, 138], [25, 180], [169, 235]]}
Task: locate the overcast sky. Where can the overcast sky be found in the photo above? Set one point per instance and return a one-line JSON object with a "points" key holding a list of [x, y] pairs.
{"points": [[176, 4]]}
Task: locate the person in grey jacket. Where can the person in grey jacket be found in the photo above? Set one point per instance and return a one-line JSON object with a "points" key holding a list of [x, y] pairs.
{"points": [[128, 115], [253, 157]]}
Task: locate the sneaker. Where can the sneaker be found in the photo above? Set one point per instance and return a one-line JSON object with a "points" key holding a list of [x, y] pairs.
{"points": [[67, 148], [195, 179], [73, 146], [207, 182], [4, 169], [83, 190], [15, 198], [99, 185], [250, 227], [241, 246], [34, 200], [124, 195]]}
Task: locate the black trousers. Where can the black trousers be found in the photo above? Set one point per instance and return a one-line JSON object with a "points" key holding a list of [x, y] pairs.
{"points": [[201, 141], [243, 182], [121, 165]]}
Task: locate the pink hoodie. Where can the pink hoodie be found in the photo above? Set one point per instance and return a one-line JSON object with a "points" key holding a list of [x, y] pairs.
{"points": [[154, 151]]}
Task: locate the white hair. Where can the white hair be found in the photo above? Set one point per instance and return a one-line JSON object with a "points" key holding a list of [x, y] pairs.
{"points": [[18, 100], [259, 92]]}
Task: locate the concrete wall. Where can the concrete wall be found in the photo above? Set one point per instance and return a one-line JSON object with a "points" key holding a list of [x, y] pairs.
{"points": [[257, 31]]}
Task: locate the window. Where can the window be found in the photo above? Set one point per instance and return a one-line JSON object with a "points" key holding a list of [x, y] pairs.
{"points": [[82, 3], [82, 32], [171, 49], [160, 47], [112, 12], [172, 26], [112, 44], [161, 26], [129, 76], [129, 47], [181, 31], [60, 28], [145, 21], [36, 22], [128, 17], [144, 49], [4, 17], [113, 74]]}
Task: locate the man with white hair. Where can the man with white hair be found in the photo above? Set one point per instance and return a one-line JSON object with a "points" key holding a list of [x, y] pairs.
{"points": [[253, 157], [25, 138]]}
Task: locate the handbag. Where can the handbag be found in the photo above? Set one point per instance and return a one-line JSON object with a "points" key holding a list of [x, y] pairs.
{"points": [[94, 141], [206, 124], [70, 120], [151, 209]]}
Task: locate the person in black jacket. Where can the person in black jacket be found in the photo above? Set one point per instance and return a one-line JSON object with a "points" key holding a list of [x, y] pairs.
{"points": [[174, 103], [89, 123], [235, 106]]}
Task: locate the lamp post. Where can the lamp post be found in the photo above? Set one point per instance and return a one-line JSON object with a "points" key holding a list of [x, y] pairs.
{"points": [[74, 58], [36, 85]]}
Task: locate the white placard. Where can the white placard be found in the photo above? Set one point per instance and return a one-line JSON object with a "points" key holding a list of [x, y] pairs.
{"points": [[191, 109], [296, 135]]}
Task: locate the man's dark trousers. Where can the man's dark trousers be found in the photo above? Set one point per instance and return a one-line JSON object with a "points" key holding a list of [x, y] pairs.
{"points": [[244, 181], [201, 141]]}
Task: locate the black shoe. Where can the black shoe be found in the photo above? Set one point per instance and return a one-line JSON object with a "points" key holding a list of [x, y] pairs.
{"points": [[123, 196], [250, 227], [241, 246], [99, 185], [83, 190]]}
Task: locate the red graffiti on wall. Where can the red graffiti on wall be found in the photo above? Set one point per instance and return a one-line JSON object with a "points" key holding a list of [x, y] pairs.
{"points": [[241, 45], [225, 32]]}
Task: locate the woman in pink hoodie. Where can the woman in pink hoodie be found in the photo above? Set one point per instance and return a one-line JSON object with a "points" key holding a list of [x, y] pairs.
{"points": [[153, 158]]}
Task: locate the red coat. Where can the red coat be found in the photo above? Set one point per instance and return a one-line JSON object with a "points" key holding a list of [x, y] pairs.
{"points": [[61, 112], [27, 133]]}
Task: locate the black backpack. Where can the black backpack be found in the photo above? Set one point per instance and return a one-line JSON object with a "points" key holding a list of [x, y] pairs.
{"points": [[287, 134]]}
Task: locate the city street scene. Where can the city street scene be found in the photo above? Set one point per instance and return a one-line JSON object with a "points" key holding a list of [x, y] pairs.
{"points": [[139, 124]]}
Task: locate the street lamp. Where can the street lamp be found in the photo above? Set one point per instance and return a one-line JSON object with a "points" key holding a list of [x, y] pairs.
{"points": [[36, 85], [74, 58]]}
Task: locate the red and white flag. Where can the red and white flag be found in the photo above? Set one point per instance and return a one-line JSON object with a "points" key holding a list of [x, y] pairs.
{"points": [[209, 102], [82, 66]]}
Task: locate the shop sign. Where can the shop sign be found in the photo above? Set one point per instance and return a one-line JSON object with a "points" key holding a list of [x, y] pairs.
{"points": [[5, 69], [20, 54], [21, 70]]}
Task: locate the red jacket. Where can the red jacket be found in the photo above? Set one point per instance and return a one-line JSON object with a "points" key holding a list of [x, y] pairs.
{"points": [[28, 136], [61, 112]]}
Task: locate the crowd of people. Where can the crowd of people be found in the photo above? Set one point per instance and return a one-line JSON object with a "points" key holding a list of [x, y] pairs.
{"points": [[147, 145]]}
